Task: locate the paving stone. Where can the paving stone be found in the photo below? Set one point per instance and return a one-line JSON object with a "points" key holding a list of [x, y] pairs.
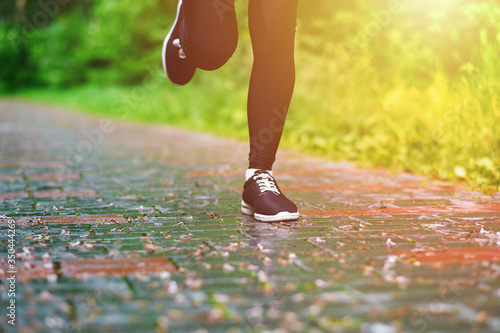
{"points": [[144, 234], [405, 211]]}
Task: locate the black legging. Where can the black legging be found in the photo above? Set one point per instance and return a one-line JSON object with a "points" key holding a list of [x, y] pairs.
{"points": [[209, 37]]}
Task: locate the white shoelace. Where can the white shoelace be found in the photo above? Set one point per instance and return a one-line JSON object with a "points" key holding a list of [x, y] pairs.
{"points": [[177, 43], [266, 183]]}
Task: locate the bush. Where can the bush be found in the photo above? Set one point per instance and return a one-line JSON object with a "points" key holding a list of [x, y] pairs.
{"points": [[416, 90], [19, 68]]}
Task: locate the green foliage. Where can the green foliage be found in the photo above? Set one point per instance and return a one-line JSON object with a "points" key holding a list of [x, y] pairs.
{"points": [[419, 91], [17, 68], [102, 42], [122, 40], [57, 50], [416, 90], [38, 43], [411, 85]]}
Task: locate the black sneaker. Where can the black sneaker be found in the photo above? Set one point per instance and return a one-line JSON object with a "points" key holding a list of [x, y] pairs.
{"points": [[263, 199], [175, 63]]}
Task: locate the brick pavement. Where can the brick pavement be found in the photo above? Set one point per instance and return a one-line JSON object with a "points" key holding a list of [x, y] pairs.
{"points": [[136, 228]]}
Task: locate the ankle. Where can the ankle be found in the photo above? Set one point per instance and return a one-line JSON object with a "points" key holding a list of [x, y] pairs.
{"points": [[249, 173]]}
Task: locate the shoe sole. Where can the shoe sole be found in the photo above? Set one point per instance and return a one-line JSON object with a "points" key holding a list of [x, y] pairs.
{"points": [[281, 216], [166, 41]]}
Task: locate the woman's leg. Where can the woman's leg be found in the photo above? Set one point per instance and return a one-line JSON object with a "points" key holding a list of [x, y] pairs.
{"points": [[272, 29], [209, 32]]}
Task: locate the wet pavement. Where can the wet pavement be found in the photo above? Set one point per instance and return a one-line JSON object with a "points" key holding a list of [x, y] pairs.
{"points": [[121, 227]]}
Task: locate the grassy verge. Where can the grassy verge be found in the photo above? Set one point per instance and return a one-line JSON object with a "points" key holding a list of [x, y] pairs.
{"points": [[451, 141]]}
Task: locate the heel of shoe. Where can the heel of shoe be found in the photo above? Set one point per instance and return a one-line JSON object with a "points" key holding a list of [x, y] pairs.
{"points": [[246, 208]]}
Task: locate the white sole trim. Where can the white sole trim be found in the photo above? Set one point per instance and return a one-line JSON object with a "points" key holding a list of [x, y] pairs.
{"points": [[165, 42], [281, 216], [246, 208]]}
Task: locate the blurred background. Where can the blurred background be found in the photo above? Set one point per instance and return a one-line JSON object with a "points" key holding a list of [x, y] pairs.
{"points": [[410, 85]]}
